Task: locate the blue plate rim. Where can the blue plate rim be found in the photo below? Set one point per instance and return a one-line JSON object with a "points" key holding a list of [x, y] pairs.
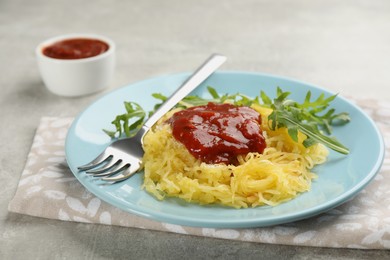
{"points": [[307, 213]]}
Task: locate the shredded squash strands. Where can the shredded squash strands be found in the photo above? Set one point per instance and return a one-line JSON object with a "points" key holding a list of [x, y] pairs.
{"points": [[280, 174]]}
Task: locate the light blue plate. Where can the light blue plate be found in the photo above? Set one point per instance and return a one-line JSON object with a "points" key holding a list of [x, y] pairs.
{"points": [[340, 178]]}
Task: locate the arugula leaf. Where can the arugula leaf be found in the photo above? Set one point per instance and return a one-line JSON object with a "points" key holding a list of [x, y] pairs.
{"points": [[213, 92], [311, 117], [124, 123], [305, 118]]}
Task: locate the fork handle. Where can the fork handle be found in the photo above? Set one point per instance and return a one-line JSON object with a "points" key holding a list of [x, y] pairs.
{"points": [[200, 75]]}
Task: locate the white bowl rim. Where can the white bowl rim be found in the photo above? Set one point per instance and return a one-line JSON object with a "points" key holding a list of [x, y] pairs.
{"points": [[47, 42]]}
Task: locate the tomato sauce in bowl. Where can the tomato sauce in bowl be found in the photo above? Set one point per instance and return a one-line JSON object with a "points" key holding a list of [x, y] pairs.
{"points": [[77, 48], [76, 64]]}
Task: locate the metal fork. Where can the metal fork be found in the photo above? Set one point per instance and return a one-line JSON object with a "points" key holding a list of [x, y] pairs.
{"points": [[123, 158]]}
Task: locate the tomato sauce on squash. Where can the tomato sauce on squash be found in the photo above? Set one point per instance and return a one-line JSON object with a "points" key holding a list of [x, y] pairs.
{"points": [[218, 133]]}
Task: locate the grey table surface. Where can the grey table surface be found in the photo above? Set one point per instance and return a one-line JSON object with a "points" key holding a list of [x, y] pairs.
{"points": [[341, 45]]}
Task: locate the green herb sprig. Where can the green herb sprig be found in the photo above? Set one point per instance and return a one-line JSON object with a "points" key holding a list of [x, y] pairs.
{"points": [[311, 117], [129, 122]]}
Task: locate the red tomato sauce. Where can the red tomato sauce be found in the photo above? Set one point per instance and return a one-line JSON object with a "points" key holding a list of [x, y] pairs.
{"points": [[77, 48], [218, 133]]}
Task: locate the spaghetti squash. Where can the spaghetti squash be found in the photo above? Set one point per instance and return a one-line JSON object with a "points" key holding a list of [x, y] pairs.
{"points": [[280, 173]]}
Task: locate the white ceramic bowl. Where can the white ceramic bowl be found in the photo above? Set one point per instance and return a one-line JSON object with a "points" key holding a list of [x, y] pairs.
{"points": [[76, 77]]}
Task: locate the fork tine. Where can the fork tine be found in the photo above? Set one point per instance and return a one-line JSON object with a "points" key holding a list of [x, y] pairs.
{"points": [[95, 162], [117, 168], [110, 164], [120, 177]]}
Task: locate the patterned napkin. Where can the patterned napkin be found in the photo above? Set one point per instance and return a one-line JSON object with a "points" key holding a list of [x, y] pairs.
{"points": [[48, 189]]}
